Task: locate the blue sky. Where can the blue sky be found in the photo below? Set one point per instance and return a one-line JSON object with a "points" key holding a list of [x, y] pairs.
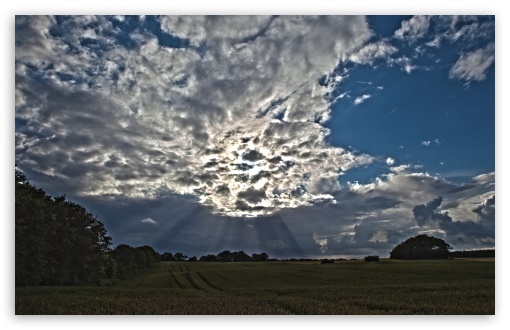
{"points": [[295, 136]]}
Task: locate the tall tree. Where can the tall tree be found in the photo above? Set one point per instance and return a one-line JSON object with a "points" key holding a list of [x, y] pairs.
{"points": [[57, 241]]}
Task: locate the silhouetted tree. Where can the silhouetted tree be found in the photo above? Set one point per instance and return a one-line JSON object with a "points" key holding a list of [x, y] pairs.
{"points": [[180, 257], [225, 256], [209, 257], [421, 247], [240, 256], [371, 258], [259, 257], [57, 242], [151, 256], [129, 260], [167, 256], [474, 254]]}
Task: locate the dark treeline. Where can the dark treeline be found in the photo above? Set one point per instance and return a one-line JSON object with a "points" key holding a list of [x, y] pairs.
{"points": [[225, 256], [125, 261], [473, 254], [57, 242]]}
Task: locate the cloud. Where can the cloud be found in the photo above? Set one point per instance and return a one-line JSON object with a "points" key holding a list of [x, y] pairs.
{"points": [[404, 62], [206, 107], [215, 116], [414, 28], [486, 209], [462, 33], [455, 231], [467, 29], [370, 52], [373, 218], [366, 219], [422, 213], [473, 66], [428, 143], [149, 220], [362, 98]]}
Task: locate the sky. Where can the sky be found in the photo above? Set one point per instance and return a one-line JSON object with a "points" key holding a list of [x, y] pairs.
{"points": [[298, 136]]}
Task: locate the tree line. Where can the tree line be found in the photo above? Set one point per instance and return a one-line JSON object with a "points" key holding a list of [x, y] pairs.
{"points": [[224, 256], [58, 242]]}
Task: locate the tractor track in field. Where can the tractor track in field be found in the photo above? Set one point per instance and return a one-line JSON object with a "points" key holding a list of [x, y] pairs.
{"points": [[195, 279], [174, 278], [206, 281], [192, 282]]}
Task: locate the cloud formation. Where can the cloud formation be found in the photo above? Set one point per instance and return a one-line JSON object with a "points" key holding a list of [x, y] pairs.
{"points": [[209, 106], [362, 98], [172, 118], [414, 28], [473, 66]]}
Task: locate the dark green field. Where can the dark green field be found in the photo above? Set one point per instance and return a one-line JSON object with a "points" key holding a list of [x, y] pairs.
{"points": [[458, 286]]}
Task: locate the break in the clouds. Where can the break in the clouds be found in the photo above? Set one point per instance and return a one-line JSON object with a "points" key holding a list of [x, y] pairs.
{"points": [[248, 117]]}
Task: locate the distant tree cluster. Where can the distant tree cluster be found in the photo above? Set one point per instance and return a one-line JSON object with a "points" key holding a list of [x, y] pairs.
{"points": [[225, 256], [371, 258], [421, 247], [57, 242]]}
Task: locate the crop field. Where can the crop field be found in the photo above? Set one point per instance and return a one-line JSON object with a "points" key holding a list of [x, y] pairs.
{"points": [[455, 286]]}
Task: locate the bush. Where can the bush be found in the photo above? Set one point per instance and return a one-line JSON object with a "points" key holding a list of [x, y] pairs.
{"points": [[327, 261], [372, 258]]}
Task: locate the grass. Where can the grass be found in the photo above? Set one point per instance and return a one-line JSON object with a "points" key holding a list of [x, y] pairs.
{"points": [[457, 286]]}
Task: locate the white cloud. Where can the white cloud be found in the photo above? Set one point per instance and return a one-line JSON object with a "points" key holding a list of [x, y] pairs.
{"points": [[468, 29], [404, 62], [434, 43], [390, 161], [369, 53], [414, 28], [425, 143], [149, 221], [361, 99], [473, 66]]}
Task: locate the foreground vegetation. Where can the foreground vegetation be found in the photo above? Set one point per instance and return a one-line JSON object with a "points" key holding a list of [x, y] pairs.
{"points": [[450, 286]]}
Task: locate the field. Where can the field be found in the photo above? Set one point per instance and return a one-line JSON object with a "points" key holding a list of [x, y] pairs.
{"points": [[457, 286]]}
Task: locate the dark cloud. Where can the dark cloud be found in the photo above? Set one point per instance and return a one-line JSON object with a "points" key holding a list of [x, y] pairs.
{"points": [[252, 155], [460, 231], [425, 212], [252, 195]]}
